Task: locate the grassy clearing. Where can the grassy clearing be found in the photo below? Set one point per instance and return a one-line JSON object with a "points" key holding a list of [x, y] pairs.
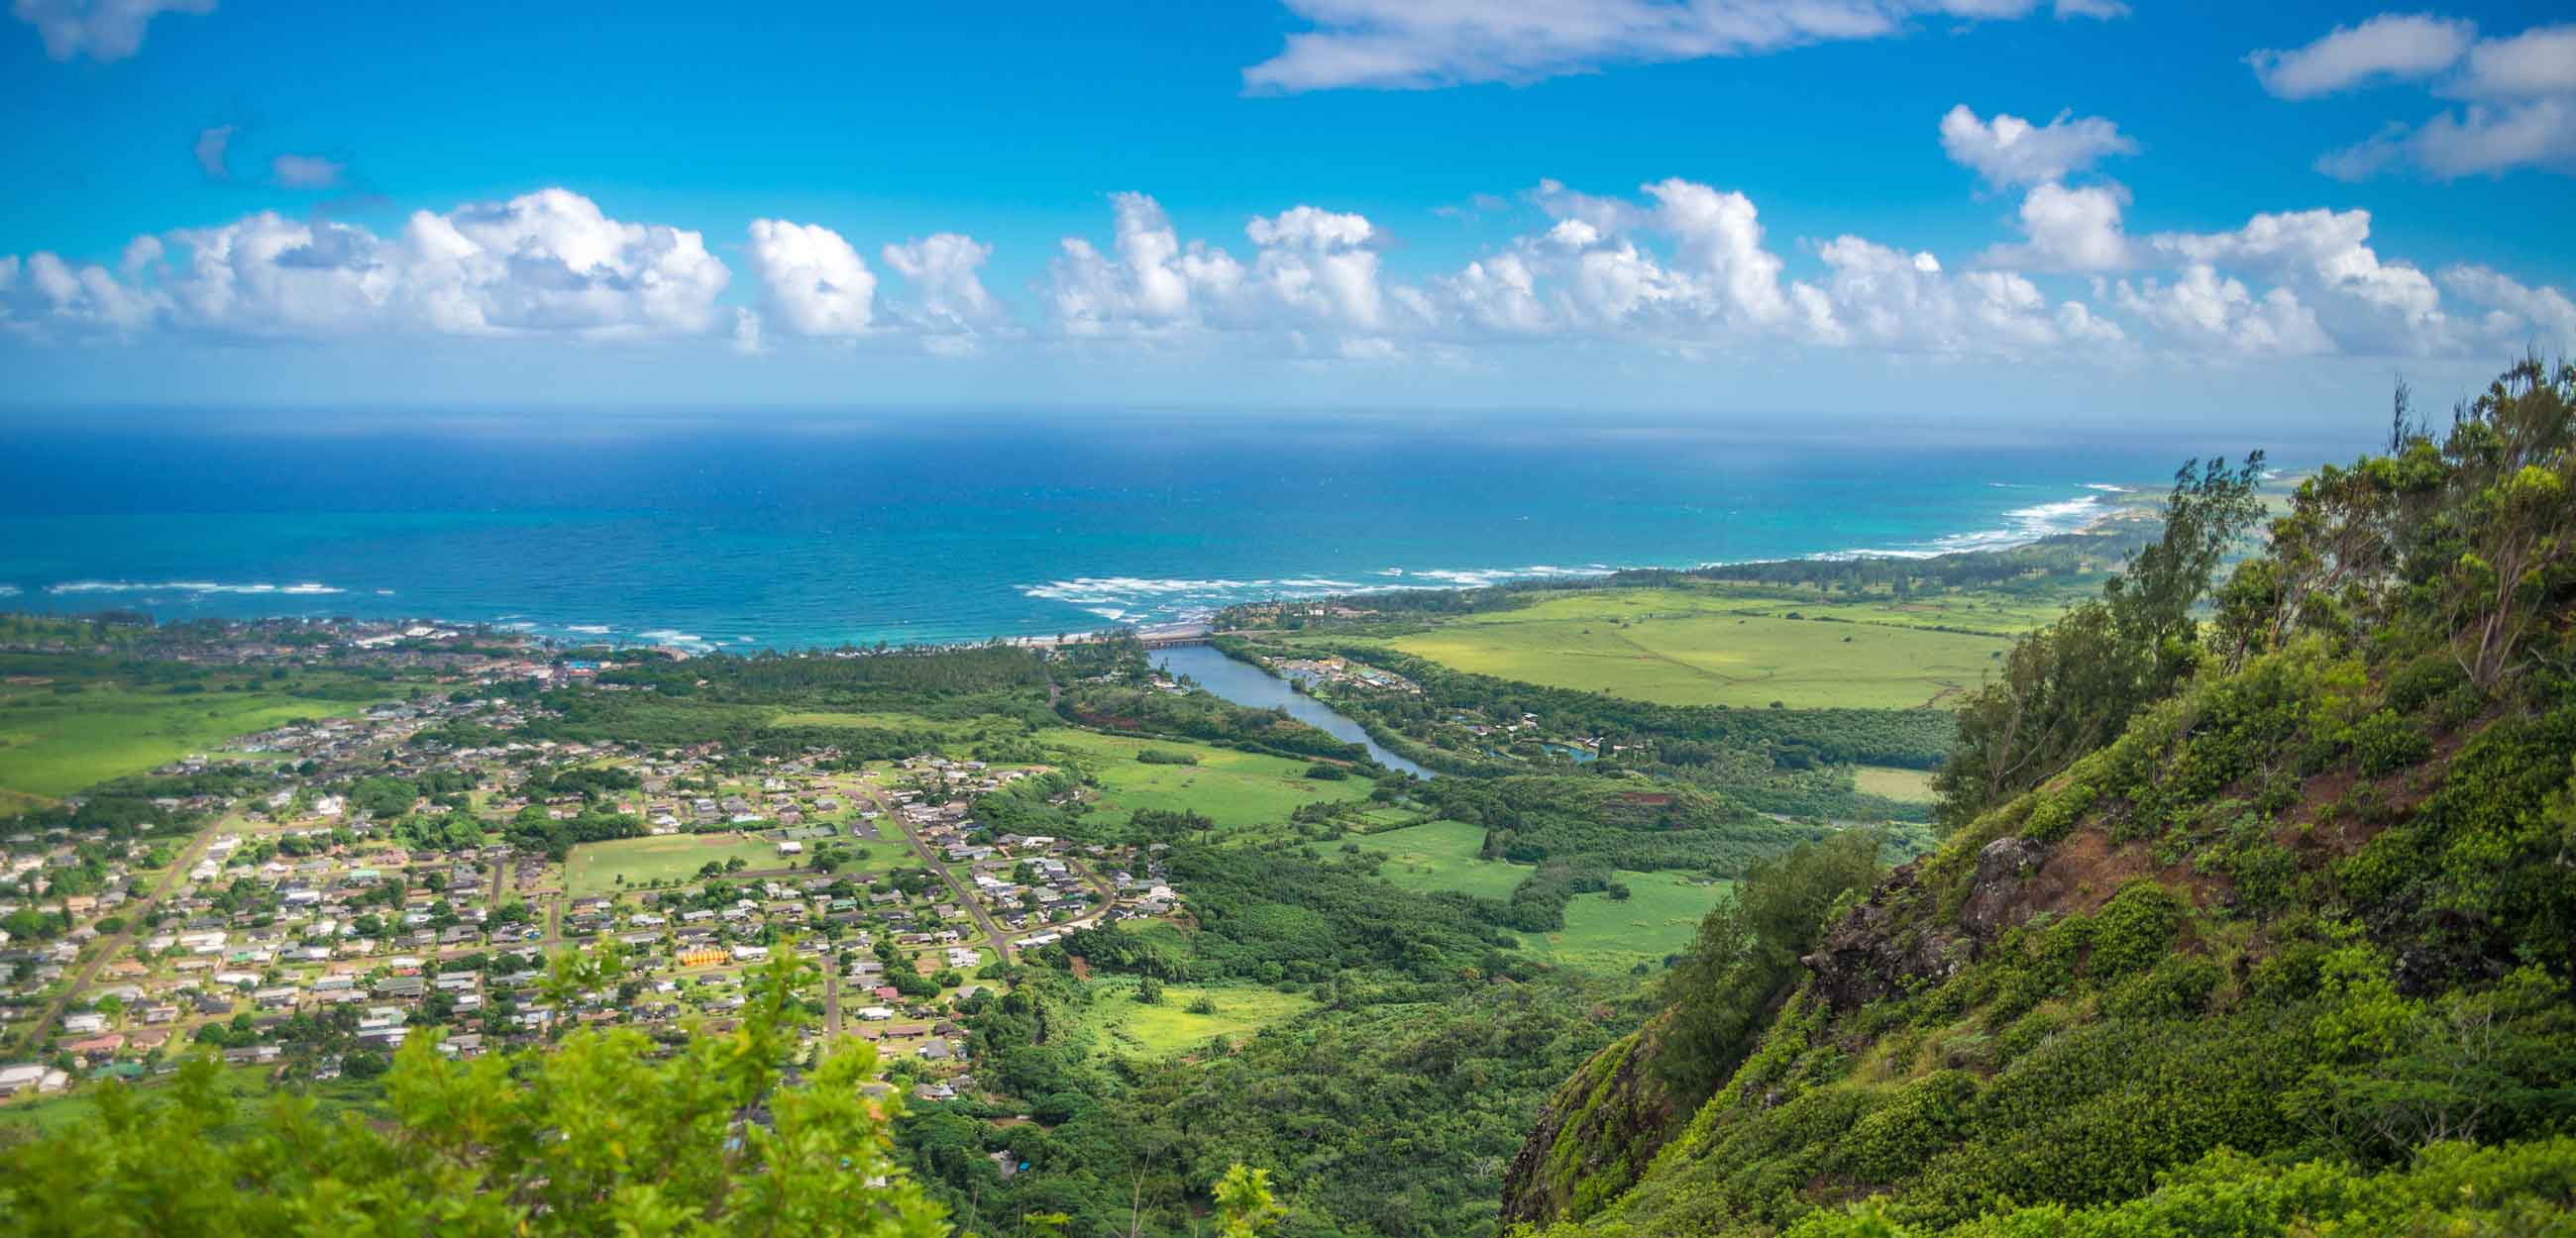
{"points": [[1136, 1029], [1605, 934], [1441, 855], [594, 868], [53, 744], [889, 721], [247, 1084], [1910, 785], [1231, 788], [1728, 647]]}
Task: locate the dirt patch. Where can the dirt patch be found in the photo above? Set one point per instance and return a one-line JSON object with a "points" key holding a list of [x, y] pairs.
{"points": [[1079, 966]]}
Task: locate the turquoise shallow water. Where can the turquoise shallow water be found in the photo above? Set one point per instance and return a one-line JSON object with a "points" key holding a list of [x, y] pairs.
{"points": [[959, 529]]}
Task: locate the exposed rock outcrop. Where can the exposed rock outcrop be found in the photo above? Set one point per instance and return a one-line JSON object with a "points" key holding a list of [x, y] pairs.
{"points": [[1594, 1138]]}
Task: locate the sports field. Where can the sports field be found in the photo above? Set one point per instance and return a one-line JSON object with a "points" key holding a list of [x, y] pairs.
{"points": [[1442, 855], [54, 743], [1604, 934], [1720, 647], [1162, 1030], [1231, 788]]}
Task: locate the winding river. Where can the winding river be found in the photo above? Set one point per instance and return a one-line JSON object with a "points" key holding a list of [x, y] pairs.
{"points": [[1246, 684]]}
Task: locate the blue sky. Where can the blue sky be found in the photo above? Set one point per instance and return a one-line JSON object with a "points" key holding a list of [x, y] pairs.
{"points": [[1734, 208]]}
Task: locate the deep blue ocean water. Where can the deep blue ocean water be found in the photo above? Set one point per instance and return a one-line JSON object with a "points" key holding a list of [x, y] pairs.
{"points": [[947, 529]]}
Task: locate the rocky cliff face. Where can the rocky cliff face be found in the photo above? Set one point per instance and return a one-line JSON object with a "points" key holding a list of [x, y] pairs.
{"points": [[1593, 1139], [1920, 927]]}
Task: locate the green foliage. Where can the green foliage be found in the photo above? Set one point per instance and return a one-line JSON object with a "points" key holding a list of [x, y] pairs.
{"points": [[595, 1136], [1746, 958], [2524, 1190], [2067, 689]]}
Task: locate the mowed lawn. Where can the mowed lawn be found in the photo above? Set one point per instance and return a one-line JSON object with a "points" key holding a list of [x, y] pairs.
{"points": [[1131, 1027], [1442, 855], [1682, 647], [52, 745], [1604, 934], [1230, 788]]}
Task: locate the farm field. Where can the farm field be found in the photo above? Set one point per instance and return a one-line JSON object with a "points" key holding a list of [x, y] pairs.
{"points": [[1605, 934], [53, 744], [1134, 1028], [1910, 785], [1441, 855], [1725, 647], [1231, 788]]}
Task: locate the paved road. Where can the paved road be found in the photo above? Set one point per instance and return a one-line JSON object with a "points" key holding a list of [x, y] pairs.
{"points": [[135, 914], [965, 897]]}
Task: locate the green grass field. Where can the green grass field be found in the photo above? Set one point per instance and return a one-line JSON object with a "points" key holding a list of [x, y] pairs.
{"points": [[1231, 788], [595, 867], [1721, 646], [54, 744], [1605, 934], [1910, 785], [246, 1084], [887, 721], [1441, 855], [1133, 1028]]}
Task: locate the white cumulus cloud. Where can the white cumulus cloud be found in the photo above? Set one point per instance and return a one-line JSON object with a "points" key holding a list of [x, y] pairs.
{"points": [[209, 150], [2389, 47], [817, 282], [545, 263], [2009, 150], [2518, 95], [102, 30], [306, 171], [1418, 44]]}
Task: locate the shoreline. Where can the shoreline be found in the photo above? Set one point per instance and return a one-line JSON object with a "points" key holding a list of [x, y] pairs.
{"points": [[2107, 505]]}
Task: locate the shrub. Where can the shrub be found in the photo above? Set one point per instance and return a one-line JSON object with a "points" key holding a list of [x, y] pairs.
{"points": [[2386, 743], [2133, 930]]}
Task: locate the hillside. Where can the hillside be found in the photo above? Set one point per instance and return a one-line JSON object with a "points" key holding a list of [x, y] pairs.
{"points": [[2290, 948]]}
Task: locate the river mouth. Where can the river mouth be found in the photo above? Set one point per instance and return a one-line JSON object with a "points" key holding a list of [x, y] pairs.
{"points": [[1248, 685]]}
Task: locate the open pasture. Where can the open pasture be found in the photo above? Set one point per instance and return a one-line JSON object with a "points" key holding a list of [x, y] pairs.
{"points": [[1230, 788], [1604, 934], [1718, 647]]}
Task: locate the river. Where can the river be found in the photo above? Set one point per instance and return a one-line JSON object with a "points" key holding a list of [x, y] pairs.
{"points": [[1246, 684]]}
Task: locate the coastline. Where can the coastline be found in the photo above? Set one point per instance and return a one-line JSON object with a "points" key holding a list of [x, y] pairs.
{"points": [[1159, 609]]}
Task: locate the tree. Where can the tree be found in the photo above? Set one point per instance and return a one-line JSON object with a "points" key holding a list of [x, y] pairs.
{"points": [[1245, 1207], [593, 1136], [1745, 957], [1149, 990], [2068, 688]]}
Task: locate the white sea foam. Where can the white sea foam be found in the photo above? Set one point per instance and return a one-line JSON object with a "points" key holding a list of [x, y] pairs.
{"points": [[1152, 600], [8, 591], [2023, 525], [384, 593], [588, 629], [671, 636], [307, 588], [2106, 487]]}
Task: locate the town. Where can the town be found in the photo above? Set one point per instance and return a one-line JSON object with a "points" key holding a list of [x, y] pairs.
{"points": [[329, 896]]}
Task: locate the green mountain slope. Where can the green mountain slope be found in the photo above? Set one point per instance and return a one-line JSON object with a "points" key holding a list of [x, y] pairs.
{"points": [[2290, 953]]}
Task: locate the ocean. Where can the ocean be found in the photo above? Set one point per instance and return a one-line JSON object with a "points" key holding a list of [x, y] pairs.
{"points": [[809, 532]]}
